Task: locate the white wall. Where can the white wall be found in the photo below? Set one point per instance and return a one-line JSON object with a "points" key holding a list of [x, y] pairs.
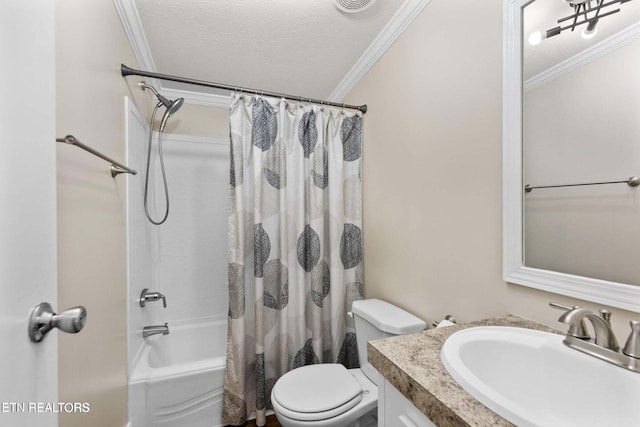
{"points": [[190, 267], [584, 127], [186, 257], [139, 235]]}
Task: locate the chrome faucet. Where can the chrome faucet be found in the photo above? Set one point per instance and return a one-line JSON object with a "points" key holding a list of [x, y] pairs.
{"points": [[604, 345], [601, 326], [151, 296], [632, 347], [147, 331]]}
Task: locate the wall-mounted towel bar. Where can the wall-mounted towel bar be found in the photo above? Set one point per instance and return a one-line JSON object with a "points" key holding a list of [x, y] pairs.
{"points": [[634, 181], [116, 167]]}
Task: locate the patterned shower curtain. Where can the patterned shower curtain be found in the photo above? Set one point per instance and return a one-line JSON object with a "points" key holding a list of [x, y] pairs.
{"points": [[295, 245]]}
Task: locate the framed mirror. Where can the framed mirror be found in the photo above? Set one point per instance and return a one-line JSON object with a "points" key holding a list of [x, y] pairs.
{"points": [[571, 103]]}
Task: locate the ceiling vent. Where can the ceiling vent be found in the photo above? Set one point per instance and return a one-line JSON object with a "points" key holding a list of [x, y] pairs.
{"points": [[352, 6]]}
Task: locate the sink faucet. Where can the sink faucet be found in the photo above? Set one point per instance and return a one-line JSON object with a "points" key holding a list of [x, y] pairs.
{"points": [[604, 345], [147, 331], [601, 326]]}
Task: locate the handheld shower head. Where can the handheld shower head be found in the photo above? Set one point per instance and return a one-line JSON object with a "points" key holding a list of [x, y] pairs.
{"points": [[175, 105], [171, 106]]}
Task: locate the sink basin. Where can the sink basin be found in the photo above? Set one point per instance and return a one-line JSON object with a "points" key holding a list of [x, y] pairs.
{"points": [[532, 379]]}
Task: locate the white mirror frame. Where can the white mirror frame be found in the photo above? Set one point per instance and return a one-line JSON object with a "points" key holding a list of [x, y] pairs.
{"points": [[613, 294]]}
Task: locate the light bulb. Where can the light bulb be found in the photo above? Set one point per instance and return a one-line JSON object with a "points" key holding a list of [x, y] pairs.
{"points": [[535, 38]]}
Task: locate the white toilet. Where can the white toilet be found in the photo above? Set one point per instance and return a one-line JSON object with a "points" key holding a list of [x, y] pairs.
{"points": [[329, 395]]}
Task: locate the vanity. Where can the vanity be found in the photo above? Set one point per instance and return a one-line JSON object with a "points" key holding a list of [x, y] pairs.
{"points": [[510, 371], [418, 390]]}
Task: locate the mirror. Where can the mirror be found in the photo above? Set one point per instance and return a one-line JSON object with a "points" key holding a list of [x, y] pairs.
{"points": [[572, 116]]}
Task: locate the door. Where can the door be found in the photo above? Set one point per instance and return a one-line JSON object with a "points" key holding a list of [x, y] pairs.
{"points": [[28, 371]]}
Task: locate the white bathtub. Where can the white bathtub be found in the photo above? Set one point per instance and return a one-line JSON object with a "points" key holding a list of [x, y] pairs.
{"points": [[177, 379]]}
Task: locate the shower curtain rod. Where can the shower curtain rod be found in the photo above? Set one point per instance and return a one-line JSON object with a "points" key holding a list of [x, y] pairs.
{"points": [[127, 71]]}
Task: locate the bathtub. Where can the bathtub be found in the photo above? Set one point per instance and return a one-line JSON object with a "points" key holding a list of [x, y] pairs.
{"points": [[177, 379]]}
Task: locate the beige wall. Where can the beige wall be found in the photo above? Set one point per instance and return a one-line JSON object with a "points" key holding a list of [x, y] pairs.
{"points": [[433, 172], [432, 164], [90, 45]]}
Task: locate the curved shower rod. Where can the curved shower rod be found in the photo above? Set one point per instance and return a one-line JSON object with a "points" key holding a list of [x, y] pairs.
{"points": [[128, 71]]}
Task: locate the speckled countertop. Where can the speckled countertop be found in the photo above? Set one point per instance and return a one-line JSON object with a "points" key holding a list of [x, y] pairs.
{"points": [[412, 364]]}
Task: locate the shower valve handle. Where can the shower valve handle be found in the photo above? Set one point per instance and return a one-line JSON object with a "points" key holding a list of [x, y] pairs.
{"points": [[151, 296]]}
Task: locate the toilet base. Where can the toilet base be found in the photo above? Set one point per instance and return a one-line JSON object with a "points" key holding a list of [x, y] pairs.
{"points": [[370, 419]]}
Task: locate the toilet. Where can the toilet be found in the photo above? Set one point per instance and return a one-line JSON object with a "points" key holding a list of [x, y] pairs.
{"points": [[329, 395]]}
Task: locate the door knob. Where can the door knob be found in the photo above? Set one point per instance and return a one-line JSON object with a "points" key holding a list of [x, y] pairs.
{"points": [[43, 320]]}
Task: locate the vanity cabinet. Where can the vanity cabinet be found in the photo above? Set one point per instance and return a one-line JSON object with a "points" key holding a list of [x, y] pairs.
{"points": [[395, 410], [412, 363]]}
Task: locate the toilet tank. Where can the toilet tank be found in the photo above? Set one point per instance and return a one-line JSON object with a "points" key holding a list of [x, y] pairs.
{"points": [[376, 319]]}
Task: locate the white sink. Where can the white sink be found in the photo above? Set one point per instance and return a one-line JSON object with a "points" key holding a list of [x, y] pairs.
{"points": [[532, 379]]}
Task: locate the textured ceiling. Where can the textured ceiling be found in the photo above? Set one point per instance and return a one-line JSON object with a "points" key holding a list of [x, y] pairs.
{"points": [[541, 15], [301, 47]]}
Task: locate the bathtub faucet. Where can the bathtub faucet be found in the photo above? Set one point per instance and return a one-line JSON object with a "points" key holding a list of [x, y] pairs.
{"points": [[147, 331], [151, 296]]}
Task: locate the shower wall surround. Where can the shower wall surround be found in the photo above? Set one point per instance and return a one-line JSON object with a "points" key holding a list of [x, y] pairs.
{"points": [[185, 258]]}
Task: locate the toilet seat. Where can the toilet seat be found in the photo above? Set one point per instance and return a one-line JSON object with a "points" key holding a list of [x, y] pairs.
{"points": [[334, 391]]}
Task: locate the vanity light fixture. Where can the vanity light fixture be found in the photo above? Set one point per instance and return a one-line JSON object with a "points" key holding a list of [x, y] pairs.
{"points": [[590, 30], [535, 38], [587, 12]]}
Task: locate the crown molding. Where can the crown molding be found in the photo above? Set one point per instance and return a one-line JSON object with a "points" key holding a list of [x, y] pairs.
{"points": [[131, 22], [588, 55], [402, 18], [135, 33]]}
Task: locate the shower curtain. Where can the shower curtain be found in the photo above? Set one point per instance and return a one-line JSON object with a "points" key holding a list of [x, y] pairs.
{"points": [[295, 245]]}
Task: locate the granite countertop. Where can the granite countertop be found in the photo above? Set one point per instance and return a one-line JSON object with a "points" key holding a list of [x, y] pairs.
{"points": [[412, 364]]}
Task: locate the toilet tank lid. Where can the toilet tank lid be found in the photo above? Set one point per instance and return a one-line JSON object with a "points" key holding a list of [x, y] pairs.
{"points": [[387, 317]]}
